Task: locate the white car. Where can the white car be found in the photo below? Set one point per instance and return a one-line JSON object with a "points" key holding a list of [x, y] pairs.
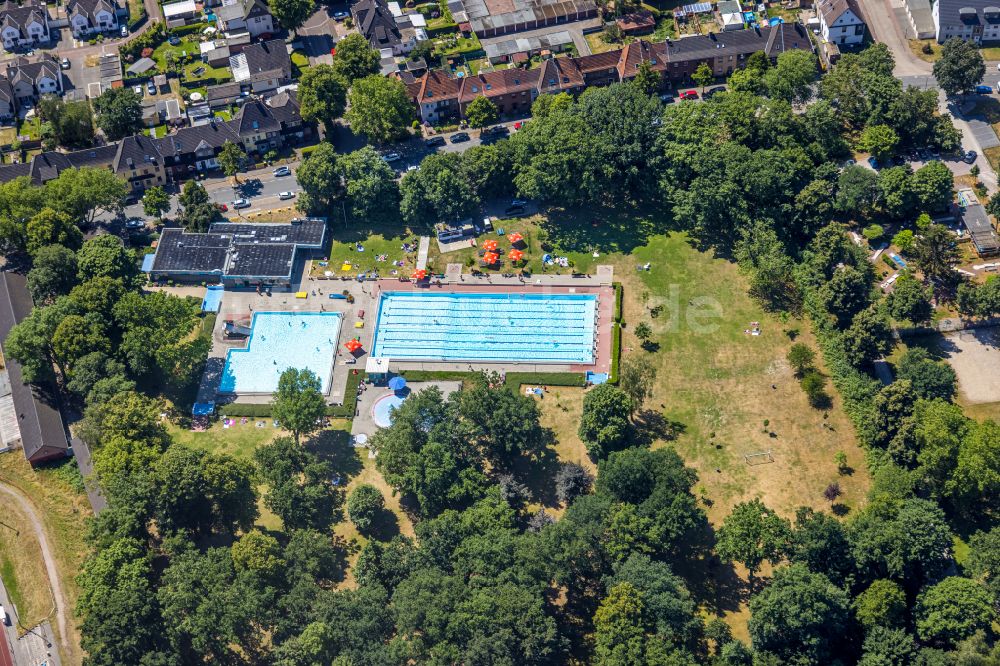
{"points": [[241, 203], [137, 90], [392, 157], [286, 195], [282, 171]]}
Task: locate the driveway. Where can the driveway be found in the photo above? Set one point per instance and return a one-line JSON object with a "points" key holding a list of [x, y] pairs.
{"points": [[880, 17]]}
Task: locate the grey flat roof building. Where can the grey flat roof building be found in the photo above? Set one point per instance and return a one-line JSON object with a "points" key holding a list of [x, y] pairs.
{"points": [[977, 222], [237, 253]]}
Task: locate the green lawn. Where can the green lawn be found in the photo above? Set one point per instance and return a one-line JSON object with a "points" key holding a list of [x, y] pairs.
{"points": [[456, 45], [380, 241], [158, 132], [32, 128]]}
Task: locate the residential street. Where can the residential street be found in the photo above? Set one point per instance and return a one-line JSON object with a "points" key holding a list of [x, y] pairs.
{"points": [[911, 70]]}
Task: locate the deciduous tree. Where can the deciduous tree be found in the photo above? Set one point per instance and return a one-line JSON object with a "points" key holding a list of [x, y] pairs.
{"points": [[119, 112], [155, 202], [604, 424], [291, 14], [298, 404], [380, 108], [323, 94], [355, 58], [960, 67], [321, 180], [953, 610], [481, 112], [752, 533]]}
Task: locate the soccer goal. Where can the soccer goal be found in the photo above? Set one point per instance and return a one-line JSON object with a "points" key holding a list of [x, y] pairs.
{"points": [[759, 458]]}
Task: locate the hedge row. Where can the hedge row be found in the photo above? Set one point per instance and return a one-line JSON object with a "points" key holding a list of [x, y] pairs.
{"points": [[616, 351], [856, 387], [516, 379], [345, 411], [618, 301]]}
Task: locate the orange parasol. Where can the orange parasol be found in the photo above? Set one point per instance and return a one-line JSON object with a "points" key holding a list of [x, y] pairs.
{"points": [[419, 274], [515, 238], [490, 245], [490, 258], [515, 255], [353, 345]]}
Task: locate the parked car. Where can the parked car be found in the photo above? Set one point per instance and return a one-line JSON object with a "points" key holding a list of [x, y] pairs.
{"points": [[413, 167], [460, 137], [64, 63], [667, 98], [392, 157], [222, 207], [241, 203], [3, 616], [983, 90], [935, 153], [282, 171], [339, 16], [137, 90], [135, 223], [970, 157], [124, 31], [497, 131], [519, 124], [434, 142], [286, 195], [689, 94], [714, 91], [873, 163], [514, 210], [150, 87]]}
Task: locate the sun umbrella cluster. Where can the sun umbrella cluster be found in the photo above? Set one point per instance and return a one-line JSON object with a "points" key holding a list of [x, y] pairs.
{"points": [[491, 258], [419, 274], [515, 238], [515, 255], [490, 246], [353, 345]]}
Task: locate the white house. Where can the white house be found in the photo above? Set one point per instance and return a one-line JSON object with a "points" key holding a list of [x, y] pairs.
{"points": [[840, 21], [977, 21], [253, 16], [31, 80], [87, 17], [25, 25]]}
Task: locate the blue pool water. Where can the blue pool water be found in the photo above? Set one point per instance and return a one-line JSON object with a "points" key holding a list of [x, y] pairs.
{"points": [[382, 409], [531, 328], [278, 341], [213, 298]]}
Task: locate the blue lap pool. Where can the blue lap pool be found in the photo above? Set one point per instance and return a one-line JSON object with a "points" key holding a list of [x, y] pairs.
{"points": [[278, 341], [514, 327]]}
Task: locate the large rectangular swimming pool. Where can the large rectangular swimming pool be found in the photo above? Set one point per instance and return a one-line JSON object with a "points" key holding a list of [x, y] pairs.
{"points": [[278, 341], [512, 327]]}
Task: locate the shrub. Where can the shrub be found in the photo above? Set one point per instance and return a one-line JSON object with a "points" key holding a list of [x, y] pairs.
{"points": [[572, 480], [873, 232], [364, 505], [814, 384]]}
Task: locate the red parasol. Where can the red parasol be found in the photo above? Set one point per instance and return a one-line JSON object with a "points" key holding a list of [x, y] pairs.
{"points": [[515, 238], [515, 255], [490, 245], [419, 274], [490, 258], [353, 345]]}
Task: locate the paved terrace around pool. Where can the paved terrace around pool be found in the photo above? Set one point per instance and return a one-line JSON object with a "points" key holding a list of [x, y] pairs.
{"points": [[241, 303], [605, 317]]}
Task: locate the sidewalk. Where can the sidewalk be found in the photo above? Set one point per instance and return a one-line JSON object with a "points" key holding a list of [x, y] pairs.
{"points": [[34, 648]]}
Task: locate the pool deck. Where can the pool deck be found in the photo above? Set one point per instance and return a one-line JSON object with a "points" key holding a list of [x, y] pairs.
{"points": [[241, 304], [363, 422]]}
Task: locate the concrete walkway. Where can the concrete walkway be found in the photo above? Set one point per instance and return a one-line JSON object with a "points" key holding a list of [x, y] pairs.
{"points": [[425, 246]]}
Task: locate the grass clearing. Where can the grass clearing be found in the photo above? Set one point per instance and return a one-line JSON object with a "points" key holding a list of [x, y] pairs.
{"points": [[386, 241], [63, 506]]}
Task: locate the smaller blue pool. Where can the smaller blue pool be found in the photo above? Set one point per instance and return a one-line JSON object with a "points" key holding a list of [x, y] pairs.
{"points": [[382, 409], [213, 299], [898, 260]]}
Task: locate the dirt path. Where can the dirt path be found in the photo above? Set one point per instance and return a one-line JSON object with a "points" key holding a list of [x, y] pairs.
{"points": [[59, 596]]}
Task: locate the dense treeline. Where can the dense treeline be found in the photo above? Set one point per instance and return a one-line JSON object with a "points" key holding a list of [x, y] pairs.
{"points": [[179, 575]]}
